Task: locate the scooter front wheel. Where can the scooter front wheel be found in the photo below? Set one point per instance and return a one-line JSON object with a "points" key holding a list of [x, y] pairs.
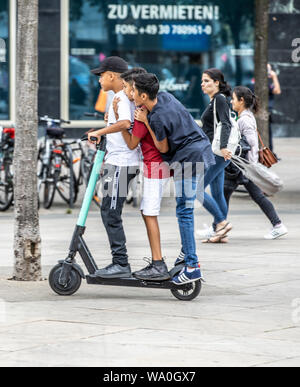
{"points": [[187, 292], [71, 286]]}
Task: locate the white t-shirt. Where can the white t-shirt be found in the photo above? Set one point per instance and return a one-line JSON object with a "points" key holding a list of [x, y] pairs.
{"points": [[118, 152]]}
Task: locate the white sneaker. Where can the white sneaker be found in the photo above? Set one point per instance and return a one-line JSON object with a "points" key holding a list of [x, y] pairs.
{"points": [[207, 233], [277, 232]]}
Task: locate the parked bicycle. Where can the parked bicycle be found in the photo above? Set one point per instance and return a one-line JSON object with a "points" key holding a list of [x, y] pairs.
{"points": [[7, 136], [55, 165]]}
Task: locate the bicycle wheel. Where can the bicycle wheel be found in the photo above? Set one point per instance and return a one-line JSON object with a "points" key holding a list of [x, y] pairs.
{"points": [[85, 168], [6, 185], [50, 184], [66, 182]]}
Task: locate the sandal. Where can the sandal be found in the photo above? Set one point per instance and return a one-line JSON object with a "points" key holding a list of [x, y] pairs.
{"points": [[221, 233], [224, 240]]}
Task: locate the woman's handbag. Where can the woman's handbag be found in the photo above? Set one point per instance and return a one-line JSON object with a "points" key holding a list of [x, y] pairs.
{"points": [[234, 138], [266, 156], [260, 175]]}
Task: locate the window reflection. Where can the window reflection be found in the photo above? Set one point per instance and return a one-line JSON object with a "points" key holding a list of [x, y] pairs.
{"points": [[201, 34]]}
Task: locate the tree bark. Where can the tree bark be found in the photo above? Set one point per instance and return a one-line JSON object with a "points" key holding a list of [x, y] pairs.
{"points": [[261, 62], [27, 240]]}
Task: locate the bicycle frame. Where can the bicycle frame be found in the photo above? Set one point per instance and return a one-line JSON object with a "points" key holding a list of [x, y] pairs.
{"points": [[61, 153]]}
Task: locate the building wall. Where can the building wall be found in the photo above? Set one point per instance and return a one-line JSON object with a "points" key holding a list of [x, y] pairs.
{"points": [[284, 29], [49, 58]]}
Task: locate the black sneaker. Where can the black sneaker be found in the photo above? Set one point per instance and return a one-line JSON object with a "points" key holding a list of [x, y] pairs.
{"points": [[155, 271], [114, 271]]}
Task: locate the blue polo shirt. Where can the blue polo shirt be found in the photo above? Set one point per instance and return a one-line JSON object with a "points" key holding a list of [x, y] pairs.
{"points": [[187, 141]]}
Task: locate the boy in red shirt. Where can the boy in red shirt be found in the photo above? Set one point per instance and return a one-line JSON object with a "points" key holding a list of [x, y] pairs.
{"points": [[156, 176]]}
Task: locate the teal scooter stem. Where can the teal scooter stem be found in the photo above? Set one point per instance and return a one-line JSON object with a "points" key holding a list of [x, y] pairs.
{"points": [[92, 184], [78, 244], [65, 278]]}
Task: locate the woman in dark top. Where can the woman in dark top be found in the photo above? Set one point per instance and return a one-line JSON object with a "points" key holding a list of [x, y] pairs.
{"points": [[214, 85]]}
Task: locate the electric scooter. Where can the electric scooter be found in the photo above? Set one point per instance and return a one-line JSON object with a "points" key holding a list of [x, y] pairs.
{"points": [[66, 277]]}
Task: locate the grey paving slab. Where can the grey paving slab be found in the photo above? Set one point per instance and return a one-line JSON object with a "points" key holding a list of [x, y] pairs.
{"points": [[247, 313], [286, 363], [37, 333], [289, 333], [105, 353]]}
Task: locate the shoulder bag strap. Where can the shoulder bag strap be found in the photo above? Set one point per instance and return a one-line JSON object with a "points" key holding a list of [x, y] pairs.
{"points": [[260, 139], [215, 116]]}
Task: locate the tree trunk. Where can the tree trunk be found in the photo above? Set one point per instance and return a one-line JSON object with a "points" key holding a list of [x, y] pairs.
{"points": [[27, 241], [261, 62]]}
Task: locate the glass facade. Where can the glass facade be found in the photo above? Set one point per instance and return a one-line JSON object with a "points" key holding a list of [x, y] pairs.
{"points": [[4, 59], [175, 40]]}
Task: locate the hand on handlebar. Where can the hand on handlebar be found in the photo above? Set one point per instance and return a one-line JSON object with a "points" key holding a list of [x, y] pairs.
{"points": [[94, 137]]}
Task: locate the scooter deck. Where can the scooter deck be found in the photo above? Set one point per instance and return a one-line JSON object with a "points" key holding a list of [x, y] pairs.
{"points": [[130, 281]]}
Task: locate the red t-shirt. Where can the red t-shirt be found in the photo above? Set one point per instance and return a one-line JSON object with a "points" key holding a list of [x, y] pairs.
{"points": [[154, 167]]}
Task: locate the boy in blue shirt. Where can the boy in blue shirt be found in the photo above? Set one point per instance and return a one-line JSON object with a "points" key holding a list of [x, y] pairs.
{"points": [[186, 148]]}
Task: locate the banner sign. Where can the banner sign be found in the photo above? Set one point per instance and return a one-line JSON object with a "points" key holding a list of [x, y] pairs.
{"points": [[176, 27]]}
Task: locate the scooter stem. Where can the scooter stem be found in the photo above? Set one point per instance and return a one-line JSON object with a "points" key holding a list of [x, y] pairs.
{"points": [[89, 194]]}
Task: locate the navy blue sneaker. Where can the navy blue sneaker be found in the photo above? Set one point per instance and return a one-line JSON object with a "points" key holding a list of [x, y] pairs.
{"points": [[180, 259], [185, 277]]}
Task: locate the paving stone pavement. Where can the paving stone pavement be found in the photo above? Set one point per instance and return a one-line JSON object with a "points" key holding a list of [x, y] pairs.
{"points": [[248, 313]]}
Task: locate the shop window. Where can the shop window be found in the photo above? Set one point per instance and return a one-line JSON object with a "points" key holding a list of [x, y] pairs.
{"points": [[174, 40]]}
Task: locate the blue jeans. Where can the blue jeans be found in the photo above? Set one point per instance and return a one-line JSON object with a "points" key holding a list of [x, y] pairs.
{"points": [[216, 203], [186, 193]]}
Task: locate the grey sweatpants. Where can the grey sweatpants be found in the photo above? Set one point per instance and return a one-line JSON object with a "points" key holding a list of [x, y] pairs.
{"points": [[115, 190]]}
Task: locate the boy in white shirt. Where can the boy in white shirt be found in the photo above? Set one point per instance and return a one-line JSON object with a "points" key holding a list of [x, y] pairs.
{"points": [[121, 166]]}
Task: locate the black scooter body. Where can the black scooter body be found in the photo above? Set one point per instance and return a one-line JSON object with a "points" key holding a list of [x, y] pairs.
{"points": [[65, 278], [78, 245]]}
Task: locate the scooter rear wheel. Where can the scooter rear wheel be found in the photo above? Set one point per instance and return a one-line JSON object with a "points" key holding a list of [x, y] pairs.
{"points": [[72, 285], [187, 292]]}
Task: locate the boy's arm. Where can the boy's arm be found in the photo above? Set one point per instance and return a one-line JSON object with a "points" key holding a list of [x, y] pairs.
{"points": [[131, 141], [115, 128], [162, 146]]}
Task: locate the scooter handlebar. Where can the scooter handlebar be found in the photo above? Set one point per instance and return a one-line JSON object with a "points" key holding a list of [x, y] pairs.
{"points": [[100, 146]]}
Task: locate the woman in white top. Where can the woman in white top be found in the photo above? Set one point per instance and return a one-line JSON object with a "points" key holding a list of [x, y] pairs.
{"points": [[245, 103]]}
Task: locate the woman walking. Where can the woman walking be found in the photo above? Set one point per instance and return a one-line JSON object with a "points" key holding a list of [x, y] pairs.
{"points": [[245, 103], [215, 86]]}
